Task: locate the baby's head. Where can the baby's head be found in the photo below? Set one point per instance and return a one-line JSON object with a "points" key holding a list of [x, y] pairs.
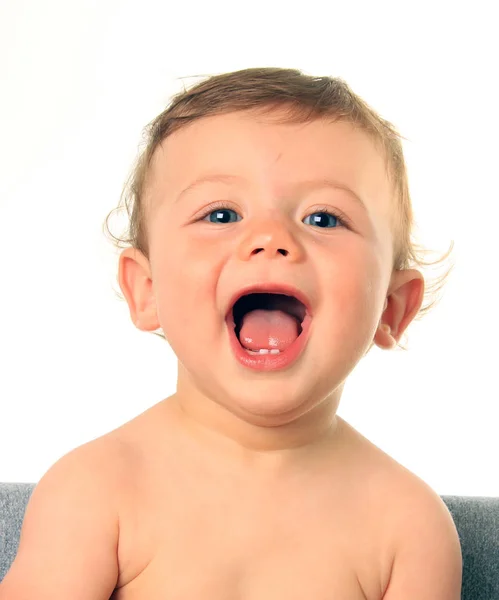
{"points": [[233, 190]]}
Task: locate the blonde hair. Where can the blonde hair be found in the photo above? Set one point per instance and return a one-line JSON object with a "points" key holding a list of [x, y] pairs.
{"points": [[305, 99]]}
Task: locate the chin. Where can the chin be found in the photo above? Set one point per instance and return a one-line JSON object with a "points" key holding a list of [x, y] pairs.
{"points": [[281, 404]]}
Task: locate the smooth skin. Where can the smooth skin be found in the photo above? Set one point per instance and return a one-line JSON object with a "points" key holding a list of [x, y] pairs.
{"points": [[247, 485]]}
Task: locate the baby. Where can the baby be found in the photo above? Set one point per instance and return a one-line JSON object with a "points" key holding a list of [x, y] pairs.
{"points": [[270, 242]]}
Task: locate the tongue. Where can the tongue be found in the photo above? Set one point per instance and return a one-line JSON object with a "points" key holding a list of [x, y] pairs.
{"points": [[272, 329]]}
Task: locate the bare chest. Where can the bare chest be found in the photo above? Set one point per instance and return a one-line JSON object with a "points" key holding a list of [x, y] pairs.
{"points": [[195, 536]]}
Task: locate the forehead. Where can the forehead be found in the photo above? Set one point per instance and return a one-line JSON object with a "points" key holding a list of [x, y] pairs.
{"points": [[270, 153]]}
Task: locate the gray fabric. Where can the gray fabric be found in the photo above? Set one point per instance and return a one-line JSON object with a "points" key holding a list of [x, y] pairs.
{"points": [[476, 519], [13, 500], [477, 523]]}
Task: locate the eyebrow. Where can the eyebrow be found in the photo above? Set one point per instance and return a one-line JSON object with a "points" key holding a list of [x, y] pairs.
{"points": [[303, 186]]}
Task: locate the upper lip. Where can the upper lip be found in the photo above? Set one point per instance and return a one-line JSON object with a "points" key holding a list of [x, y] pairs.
{"points": [[275, 288]]}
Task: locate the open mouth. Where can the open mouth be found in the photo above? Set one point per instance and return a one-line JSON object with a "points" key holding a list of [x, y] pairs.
{"points": [[270, 302], [268, 331]]}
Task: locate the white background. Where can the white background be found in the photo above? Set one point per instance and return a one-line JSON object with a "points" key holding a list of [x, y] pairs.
{"points": [[80, 79]]}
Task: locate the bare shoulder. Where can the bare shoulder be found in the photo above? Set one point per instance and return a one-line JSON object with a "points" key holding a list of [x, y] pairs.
{"points": [[400, 489], [420, 533], [104, 462], [132, 451], [153, 433]]}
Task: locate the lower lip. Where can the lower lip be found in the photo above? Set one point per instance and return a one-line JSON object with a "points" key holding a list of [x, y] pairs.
{"points": [[268, 362]]}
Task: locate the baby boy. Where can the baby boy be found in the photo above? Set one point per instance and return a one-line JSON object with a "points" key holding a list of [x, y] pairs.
{"points": [[270, 242]]}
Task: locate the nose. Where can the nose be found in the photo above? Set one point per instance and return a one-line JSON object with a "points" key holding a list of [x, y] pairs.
{"points": [[270, 238]]}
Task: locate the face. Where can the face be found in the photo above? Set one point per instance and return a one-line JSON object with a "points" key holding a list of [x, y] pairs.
{"points": [[267, 233]]}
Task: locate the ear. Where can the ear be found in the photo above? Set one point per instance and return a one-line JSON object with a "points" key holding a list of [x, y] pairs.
{"points": [[136, 284], [404, 298]]}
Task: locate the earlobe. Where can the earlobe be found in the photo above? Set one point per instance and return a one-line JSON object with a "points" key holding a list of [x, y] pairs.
{"points": [[389, 341], [136, 284]]}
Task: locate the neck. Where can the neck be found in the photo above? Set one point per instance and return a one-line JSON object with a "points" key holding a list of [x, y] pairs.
{"points": [[257, 441]]}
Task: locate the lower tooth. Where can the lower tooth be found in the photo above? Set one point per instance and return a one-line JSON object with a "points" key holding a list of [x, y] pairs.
{"points": [[264, 351]]}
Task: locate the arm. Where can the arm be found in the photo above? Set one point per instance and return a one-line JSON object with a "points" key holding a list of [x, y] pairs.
{"points": [[428, 562], [69, 536]]}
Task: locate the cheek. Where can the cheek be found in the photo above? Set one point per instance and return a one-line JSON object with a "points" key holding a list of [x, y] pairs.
{"points": [[185, 287], [353, 285]]}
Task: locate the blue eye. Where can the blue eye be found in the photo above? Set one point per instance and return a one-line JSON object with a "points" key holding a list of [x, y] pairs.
{"points": [[220, 215], [324, 217]]}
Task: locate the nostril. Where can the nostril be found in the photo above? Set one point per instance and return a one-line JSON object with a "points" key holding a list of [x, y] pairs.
{"points": [[280, 250]]}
